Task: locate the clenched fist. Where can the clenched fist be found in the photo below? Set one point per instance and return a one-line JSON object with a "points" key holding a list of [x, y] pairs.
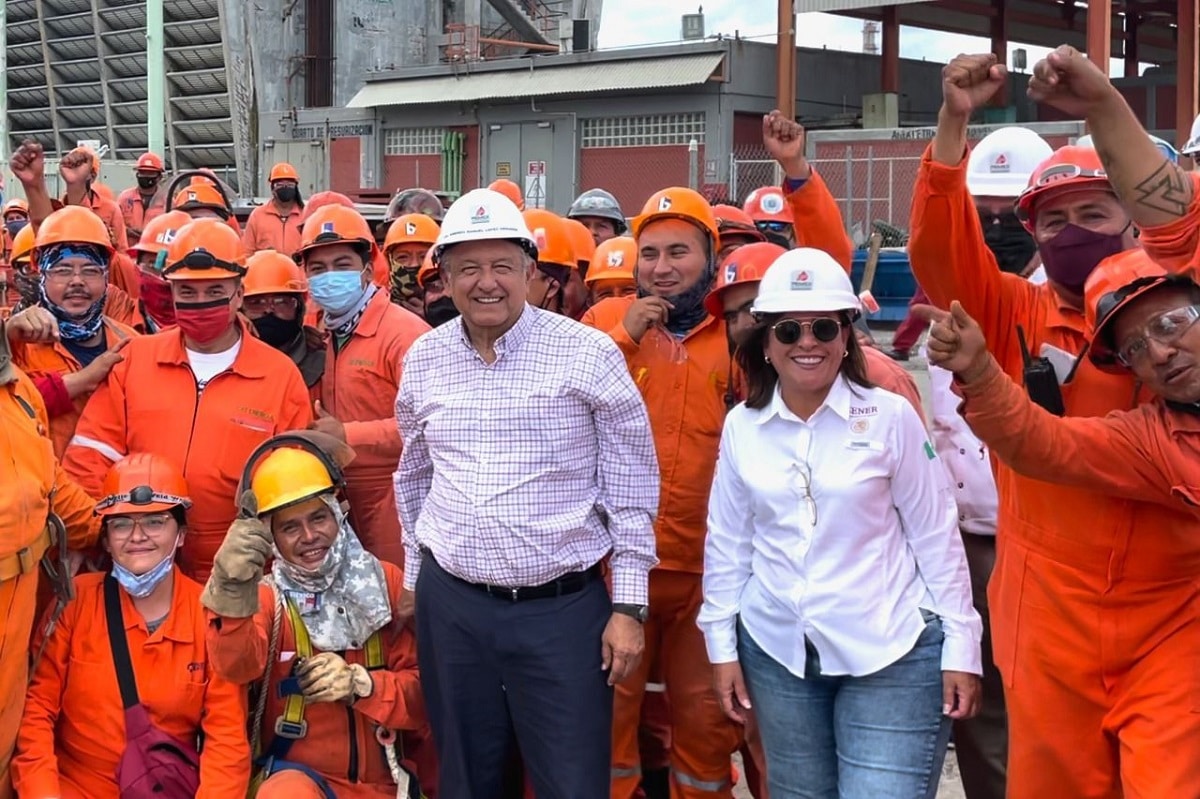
{"points": [[1067, 80], [969, 81], [28, 163]]}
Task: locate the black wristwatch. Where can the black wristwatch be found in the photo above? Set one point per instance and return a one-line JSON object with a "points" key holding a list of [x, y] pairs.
{"points": [[639, 612]]}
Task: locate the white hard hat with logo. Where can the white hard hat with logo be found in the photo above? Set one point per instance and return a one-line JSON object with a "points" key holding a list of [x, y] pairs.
{"points": [[1192, 145], [1000, 165], [805, 280], [483, 215]]}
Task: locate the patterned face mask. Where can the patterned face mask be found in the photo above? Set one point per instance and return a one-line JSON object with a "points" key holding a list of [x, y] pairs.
{"points": [[403, 280]]}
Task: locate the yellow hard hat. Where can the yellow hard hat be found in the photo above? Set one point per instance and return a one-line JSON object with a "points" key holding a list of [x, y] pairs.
{"points": [[287, 476]]}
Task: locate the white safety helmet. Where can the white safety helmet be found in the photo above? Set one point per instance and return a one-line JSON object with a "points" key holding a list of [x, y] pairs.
{"points": [[1164, 146], [805, 280], [1192, 145], [1000, 165], [482, 215]]}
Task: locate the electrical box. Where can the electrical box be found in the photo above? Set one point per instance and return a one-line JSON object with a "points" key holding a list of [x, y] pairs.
{"points": [[693, 26]]}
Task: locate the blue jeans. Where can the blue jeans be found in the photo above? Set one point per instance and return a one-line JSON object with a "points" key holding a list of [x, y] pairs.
{"points": [[882, 736]]}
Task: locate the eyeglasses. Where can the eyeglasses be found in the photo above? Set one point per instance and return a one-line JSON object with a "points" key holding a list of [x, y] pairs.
{"points": [[805, 473], [62, 272], [774, 227], [263, 303], [824, 329], [1164, 329], [151, 524]]}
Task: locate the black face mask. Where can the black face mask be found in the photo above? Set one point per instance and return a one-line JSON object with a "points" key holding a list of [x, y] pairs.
{"points": [[439, 311], [1008, 240], [778, 238], [277, 332], [147, 183], [287, 194]]}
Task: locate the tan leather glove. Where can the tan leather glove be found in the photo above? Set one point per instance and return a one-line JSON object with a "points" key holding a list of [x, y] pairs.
{"points": [[328, 678], [232, 588]]}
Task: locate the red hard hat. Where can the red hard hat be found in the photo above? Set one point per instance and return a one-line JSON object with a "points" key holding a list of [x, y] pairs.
{"points": [[142, 483], [767, 204], [1069, 168], [149, 162], [1117, 281], [745, 265]]}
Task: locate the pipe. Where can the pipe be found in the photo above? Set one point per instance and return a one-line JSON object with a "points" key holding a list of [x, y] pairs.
{"points": [[4, 83], [156, 78]]}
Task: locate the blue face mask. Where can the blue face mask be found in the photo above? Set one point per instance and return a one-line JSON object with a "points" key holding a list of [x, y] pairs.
{"points": [[336, 292], [141, 586], [14, 227]]}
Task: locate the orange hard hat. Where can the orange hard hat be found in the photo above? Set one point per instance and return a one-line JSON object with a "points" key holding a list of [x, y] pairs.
{"points": [[271, 272], [90, 153], [678, 202], [205, 249], [22, 245], [142, 483], [411, 229], [160, 232], [733, 221], [1117, 281], [335, 224], [510, 190], [16, 205], [551, 236], [428, 269], [745, 265], [1070, 168], [767, 204], [614, 259], [322, 199], [73, 224], [283, 171], [582, 243], [199, 194], [149, 162]]}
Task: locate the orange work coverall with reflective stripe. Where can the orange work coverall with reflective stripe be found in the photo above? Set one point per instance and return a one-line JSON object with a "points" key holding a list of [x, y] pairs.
{"points": [[136, 213], [39, 360], [1075, 568], [268, 228], [152, 403], [359, 388], [340, 744], [33, 485], [73, 731]]}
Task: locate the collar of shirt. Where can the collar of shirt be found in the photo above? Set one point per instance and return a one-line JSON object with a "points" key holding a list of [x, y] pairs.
{"points": [[837, 400], [511, 340]]}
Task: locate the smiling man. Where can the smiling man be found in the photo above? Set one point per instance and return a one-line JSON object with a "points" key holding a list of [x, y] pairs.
{"points": [[527, 460]]}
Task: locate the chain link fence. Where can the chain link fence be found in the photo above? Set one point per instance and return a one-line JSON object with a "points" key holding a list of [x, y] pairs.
{"points": [[871, 191]]}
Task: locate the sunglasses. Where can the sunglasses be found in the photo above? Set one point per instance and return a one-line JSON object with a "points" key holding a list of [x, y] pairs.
{"points": [[773, 227], [824, 329]]}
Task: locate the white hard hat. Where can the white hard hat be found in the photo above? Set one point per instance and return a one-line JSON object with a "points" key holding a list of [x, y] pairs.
{"points": [[1192, 146], [1000, 165], [805, 280], [1164, 146], [482, 215]]}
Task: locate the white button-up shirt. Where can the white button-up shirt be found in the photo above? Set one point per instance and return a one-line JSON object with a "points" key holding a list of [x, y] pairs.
{"points": [[840, 528], [964, 456]]}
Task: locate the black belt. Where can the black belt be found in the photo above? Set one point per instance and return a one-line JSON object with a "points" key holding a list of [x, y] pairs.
{"points": [[570, 583]]}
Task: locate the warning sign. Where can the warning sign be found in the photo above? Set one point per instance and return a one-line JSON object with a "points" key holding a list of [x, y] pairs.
{"points": [[536, 168], [504, 169]]}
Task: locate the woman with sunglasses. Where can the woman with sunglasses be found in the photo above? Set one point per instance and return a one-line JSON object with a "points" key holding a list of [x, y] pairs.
{"points": [[76, 734], [836, 595]]}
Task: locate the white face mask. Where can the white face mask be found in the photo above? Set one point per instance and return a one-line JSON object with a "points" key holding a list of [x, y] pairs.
{"points": [[143, 585]]}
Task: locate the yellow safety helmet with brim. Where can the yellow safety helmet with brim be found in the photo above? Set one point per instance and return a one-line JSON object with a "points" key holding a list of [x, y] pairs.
{"points": [[294, 467]]}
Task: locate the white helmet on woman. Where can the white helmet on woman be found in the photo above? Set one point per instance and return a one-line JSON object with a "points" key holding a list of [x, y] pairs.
{"points": [[805, 280], [482, 215]]}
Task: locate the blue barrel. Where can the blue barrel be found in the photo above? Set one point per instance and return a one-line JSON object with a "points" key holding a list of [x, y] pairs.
{"points": [[894, 285]]}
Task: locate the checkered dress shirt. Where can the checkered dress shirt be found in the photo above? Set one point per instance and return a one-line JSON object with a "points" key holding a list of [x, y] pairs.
{"points": [[517, 472]]}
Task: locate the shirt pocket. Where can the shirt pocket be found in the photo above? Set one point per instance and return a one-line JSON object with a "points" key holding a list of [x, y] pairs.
{"points": [[232, 447]]}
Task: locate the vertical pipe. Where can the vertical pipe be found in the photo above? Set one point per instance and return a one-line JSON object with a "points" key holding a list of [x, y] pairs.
{"points": [[156, 79], [870, 182], [4, 83], [785, 59], [694, 165], [734, 197], [1099, 33], [1132, 21], [999, 31], [1188, 67], [889, 77], [850, 186]]}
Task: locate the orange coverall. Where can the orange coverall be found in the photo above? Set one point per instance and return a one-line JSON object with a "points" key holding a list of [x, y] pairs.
{"points": [[44, 359], [819, 223], [33, 485], [1176, 245], [340, 744], [268, 228], [150, 403], [359, 389], [136, 214], [73, 731], [1069, 582]]}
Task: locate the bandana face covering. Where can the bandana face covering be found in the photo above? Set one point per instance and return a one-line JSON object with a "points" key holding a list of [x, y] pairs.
{"points": [[155, 294], [403, 282], [73, 327]]}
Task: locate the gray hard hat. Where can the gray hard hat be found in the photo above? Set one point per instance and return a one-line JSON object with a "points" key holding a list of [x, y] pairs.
{"points": [[598, 203]]}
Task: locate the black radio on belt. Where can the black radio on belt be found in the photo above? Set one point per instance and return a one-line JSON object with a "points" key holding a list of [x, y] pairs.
{"points": [[1041, 381]]}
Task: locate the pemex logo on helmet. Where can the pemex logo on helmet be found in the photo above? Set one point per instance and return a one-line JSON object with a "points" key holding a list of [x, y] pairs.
{"points": [[1000, 164], [802, 280], [481, 216]]}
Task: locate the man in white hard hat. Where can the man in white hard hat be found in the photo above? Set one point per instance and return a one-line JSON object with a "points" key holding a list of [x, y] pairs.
{"points": [[528, 459]]}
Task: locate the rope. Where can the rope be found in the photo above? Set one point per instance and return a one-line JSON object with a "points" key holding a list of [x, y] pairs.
{"points": [[260, 708]]}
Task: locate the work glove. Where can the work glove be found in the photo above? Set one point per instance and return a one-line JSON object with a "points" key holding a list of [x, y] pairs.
{"points": [[328, 678], [232, 588]]}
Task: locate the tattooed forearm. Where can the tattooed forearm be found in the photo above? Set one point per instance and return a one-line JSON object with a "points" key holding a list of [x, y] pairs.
{"points": [[1167, 191]]}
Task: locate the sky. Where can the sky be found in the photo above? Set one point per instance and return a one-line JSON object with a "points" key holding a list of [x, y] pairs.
{"points": [[637, 22]]}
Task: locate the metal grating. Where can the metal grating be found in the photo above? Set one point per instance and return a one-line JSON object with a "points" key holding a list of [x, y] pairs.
{"points": [[20, 11], [25, 54], [23, 32], [126, 18], [33, 97], [200, 81], [126, 42], [183, 10], [75, 49], [72, 25], [78, 71], [126, 89], [31, 75], [65, 7], [84, 115], [73, 94]]}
